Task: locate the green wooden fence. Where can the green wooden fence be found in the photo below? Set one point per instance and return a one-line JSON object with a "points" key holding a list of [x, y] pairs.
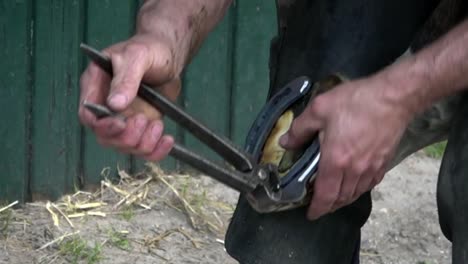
{"points": [[45, 151]]}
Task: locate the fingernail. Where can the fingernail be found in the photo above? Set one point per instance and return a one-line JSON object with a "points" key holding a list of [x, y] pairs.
{"points": [[284, 139], [117, 101]]}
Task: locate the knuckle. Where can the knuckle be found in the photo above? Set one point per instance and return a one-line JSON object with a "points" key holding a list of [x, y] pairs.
{"points": [[300, 129], [295, 127], [377, 164], [163, 61], [325, 197], [145, 148], [344, 199], [137, 49], [139, 53], [360, 167], [129, 141], [91, 70], [117, 59], [341, 160], [317, 105], [125, 83], [361, 188]]}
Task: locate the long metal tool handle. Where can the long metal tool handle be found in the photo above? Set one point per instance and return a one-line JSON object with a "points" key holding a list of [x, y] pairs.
{"points": [[243, 182], [220, 145]]}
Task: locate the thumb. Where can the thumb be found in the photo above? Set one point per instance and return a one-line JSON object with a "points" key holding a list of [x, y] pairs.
{"points": [[129, 66], [303, 129]]}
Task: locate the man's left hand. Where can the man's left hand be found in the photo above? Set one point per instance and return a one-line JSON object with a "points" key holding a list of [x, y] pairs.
{"points": [[359, 130]]}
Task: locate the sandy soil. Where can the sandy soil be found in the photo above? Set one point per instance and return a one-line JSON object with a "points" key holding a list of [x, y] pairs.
{"points": [[403, 227]]}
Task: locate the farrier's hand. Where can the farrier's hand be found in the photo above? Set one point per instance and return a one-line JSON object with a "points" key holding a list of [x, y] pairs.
{"points": [[143, 57], [359, 131], [168, 34]]}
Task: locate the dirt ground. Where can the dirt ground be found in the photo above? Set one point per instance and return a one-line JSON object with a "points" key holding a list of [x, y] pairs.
{"points": [[403, 226], [182, 219]]}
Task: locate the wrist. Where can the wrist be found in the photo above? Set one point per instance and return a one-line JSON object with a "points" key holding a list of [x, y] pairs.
{"points": [[407, 86], [431, 74], [166, 28], [184, 23]]}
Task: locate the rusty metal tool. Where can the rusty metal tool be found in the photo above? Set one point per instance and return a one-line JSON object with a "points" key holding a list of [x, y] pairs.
{"points": [[240, 179], [261, 183]]}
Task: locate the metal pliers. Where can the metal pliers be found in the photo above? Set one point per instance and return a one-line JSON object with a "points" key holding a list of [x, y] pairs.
{"points": [[265, 190]]}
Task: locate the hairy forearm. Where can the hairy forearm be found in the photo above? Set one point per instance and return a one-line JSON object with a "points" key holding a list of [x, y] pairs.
{"points": [[184, 23], [439, 70]]}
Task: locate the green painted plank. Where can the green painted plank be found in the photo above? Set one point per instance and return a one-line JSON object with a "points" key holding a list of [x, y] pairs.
{"points": [[256, 25], [108, 22], [207, 85], [14, 91], [55, 127]]}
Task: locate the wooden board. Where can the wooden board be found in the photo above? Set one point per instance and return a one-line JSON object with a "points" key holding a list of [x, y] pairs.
{"points": [[15, 83], [255, 26], [55, 129]]}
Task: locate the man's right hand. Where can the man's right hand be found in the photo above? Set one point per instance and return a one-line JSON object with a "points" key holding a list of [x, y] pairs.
{"points": [[141, 58], [168, 33]]}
